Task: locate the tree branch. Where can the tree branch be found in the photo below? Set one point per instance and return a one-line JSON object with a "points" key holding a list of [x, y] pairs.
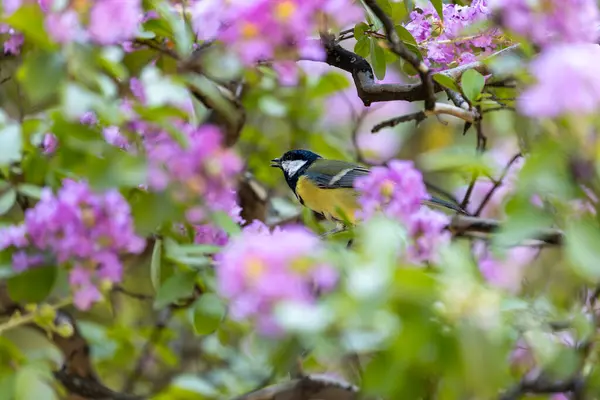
{"points": [[371, 92], [400, 49], [77, 374], [462, 225], [306, 388], [439, 109]]}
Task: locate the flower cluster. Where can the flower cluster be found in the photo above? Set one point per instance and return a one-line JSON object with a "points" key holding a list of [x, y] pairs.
{"points": [[110, 21], [79, 228], [398, 191], [550, 21], [202, 170], [446, 42], [272, 29], [551, 97], [567, 32], [259, 269]]}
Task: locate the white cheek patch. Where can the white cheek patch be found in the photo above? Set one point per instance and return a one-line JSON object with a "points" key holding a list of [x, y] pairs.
{"points": [[291, 167]]}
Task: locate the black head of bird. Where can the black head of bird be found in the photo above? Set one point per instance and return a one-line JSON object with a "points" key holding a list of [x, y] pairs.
{"points": [[327, 186]]}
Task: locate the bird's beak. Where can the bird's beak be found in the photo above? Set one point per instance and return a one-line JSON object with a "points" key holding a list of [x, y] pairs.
{"points": [[276, 162]]}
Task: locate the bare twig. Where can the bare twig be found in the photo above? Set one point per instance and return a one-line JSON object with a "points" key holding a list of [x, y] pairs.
{"points": [[539, 386], [418, 117], [497, 185], [439, 109], [159, 327], [462, 225], [305, 388]]}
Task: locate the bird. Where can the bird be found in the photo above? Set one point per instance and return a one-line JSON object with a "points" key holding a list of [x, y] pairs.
{"points": [[326, 186]]}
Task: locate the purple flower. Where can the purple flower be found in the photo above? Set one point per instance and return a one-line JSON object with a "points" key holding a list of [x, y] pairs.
{"points": [[257, 270], [88, 118], [397, 190], [80, 228], [427, 229], [49, 143], [65, 27], [205, 170], [561, 70], [114, 21], [506, 272], [13, 44], [445, 43], [272, 29], [550, 21], [112, 135]]}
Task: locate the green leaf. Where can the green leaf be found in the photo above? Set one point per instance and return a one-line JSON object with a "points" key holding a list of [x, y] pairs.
{"points": [[378, 59], [330, 83], [11, 144], [208, 312], [41, 73], [161, 90], [446, 82], [29, 20], [438, 5], [408, 39], [178, 286], [581, 245], [182, 36], [156, 263], [29, 190], [33, 384], [385, 6], [360, 29], [32, 285], [472, 83], [7, 200], [224, 221], [363, 47]]}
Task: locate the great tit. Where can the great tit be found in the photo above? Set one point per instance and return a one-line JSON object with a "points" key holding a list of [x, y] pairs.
{"points": [[326, 186]]}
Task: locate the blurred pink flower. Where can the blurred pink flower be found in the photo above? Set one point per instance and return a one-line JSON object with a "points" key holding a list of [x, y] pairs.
{"points": [[259, 269], [507, 272], [114, 21], [551, 97]]}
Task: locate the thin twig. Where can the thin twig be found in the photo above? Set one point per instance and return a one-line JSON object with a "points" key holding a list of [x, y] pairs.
{"points": [[497, 184], [419, 116], [155, 335]]}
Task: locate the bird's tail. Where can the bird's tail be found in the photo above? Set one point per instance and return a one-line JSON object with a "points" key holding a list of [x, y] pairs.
{"points": [[437, 202]]}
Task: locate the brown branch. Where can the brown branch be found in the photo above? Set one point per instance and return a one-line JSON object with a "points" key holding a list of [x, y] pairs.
{"points": [[77, 373], [439, 109], [371, 92], [540, 386], [497, 185], [400, 49], [462, 225], [146, 352], [306, 388], [418, 117]]}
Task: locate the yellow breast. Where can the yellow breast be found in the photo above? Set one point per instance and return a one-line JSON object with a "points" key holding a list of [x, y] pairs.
{"points": [[328, 202]]}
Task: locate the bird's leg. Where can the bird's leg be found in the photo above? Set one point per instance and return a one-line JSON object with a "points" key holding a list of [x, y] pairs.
{"points": [[339, 228]]}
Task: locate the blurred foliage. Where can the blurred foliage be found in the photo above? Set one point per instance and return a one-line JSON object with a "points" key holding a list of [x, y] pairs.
{"points": [[438, 332]]}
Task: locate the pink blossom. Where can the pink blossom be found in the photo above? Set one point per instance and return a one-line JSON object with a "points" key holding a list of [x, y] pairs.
{"points": [[257, 270], [445, 43], [65, 27], [550, 21], [551, 96], [80, 228], [114, 21]]}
